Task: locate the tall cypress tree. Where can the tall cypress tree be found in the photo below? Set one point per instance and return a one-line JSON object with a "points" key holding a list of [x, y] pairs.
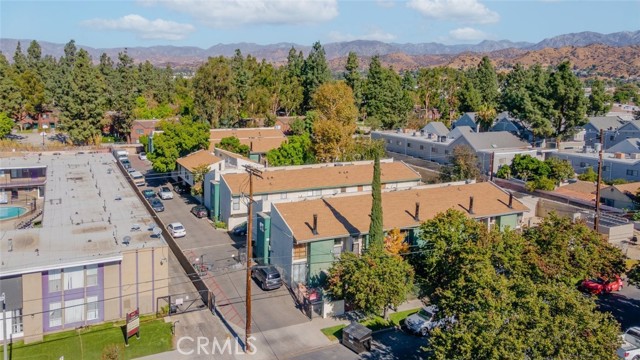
{"points": [[376, 233]]}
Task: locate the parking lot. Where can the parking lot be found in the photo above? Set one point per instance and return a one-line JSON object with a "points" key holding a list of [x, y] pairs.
{"points": [[219, 253]]}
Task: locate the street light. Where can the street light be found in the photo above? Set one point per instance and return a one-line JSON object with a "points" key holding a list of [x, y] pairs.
{"points": [[43, 135]]}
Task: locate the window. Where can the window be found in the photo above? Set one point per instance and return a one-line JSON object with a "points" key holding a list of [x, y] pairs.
{"points": [[611, 137], [446, 152], [421, 147], [55, 281], [408, 144], [434, 150], [236, 203], [92, 308], [337, 247], [74, 278], [343, 189], [55, 315], [399, 142], [265, 197], [632, 172], [283, 196], [16, 322], [92, 275], [139, 131], [605, 168], [583, 164], [388, 141], [300, 252], [73, 311]]}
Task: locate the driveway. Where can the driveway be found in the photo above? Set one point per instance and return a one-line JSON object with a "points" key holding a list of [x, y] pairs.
{"points": [[220, 254]]}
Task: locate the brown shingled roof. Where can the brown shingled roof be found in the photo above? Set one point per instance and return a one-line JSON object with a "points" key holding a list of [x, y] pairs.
{"points": [[584, 190], [345, 215], [200, 157], [274, 181], [260, 140], [629, 189]]}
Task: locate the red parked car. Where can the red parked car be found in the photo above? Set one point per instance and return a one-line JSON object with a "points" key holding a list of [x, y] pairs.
{"points": [[601, 286]]}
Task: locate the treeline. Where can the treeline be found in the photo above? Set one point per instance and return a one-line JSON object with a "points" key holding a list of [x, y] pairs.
{"points": [[108, 96]]}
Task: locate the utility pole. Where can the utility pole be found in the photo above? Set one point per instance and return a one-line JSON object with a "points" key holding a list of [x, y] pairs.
{"points": [[596, 219], [252, 172], [493, 156], [4, 326]]}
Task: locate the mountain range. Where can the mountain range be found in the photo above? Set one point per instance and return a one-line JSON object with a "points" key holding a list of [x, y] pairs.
{"points": [[401, 56]]}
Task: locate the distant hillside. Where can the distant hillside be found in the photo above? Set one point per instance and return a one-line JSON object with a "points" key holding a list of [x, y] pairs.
{"points": [[613, 54]]}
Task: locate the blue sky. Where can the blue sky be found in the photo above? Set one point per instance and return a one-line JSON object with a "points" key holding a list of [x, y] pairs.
{"points": [[203, 23]]}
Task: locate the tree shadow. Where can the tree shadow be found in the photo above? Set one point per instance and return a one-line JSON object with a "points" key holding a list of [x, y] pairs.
{"points": [[623, 308]]}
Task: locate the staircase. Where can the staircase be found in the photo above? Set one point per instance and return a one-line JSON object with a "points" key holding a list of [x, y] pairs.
{"points": [[28, 224]]}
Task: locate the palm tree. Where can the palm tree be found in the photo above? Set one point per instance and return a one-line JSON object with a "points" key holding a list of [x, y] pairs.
{"points": [[485, 115]]}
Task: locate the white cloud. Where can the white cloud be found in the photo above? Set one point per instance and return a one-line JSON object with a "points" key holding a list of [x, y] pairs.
{"points": [[145, 28], [231, 13], [466, 11], [467, 33], [376, 35]]}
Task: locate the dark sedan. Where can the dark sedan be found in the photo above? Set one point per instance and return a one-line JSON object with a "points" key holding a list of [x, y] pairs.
{"points": [[199, 211], [156, 204]]}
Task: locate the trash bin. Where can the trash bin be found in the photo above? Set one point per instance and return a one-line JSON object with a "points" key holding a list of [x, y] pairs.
{"points": [[357, 337]]}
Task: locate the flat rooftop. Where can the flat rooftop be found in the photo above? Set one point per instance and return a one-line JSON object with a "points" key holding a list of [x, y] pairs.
{"points": [[89, 207]]}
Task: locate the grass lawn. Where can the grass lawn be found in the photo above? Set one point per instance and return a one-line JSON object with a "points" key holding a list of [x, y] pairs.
{"points": [[375, 323], [88, 343]]}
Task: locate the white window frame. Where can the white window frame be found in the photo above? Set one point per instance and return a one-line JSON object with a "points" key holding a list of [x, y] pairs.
{"points": [[236, 203], [55, 281], [55, 314], [74, 311], [93, 310], [73, 278], [92, 275]]}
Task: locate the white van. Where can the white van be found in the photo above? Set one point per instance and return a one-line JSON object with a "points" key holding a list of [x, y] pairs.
{"points": [[121, 154], [138, 178]]}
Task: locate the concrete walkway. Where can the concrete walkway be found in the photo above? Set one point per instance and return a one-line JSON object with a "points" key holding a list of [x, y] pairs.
{"points": [[216, 342]]}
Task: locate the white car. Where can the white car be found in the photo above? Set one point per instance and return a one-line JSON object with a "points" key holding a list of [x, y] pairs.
{"points": [[177, 230], [630, 349], [165, 193], [424, 321], [142, 156]]}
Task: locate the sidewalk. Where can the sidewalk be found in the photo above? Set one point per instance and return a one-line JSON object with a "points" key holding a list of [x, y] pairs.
{"points": [[282, 343]]}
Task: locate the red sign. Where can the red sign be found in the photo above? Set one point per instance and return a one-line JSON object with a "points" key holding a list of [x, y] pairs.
{"points": [[133, 322]]}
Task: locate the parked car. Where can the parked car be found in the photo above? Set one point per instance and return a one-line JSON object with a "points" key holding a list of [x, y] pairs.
{"points": [[599, 285], [130, 170], [165, 193], [199, 211], [142, 156], [177, 230], [126, 163], [630, 349], [148, 193], [240, 230], [425, 320], [268, 277], [156, 205]]}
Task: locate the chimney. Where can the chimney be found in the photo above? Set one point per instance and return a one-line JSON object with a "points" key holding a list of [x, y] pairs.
{"points": [[251, 146], [416, 215], [314, 230], [471, 205], [510, 200]]}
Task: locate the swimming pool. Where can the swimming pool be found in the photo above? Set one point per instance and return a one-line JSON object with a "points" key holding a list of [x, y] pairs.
{"points": [[10, 212]]}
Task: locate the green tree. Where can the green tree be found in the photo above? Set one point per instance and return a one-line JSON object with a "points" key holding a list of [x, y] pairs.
{"points": [[331, 139], [126, 89], [10, 91], [526, 167], [560, 169], [376, 230], [383, 96], [213, 86], [233, 144], [588, 175], [297, 150], [373, 282], [599, 100], [504, 172], [6, 125], [634, 275], [199, 172], [352, 77], [177, 139], [569, 103], [82, 109], [315, 72], [625, 93], [486, 115], [19, 60], [470, 98], [464, 165], [486, 82]]}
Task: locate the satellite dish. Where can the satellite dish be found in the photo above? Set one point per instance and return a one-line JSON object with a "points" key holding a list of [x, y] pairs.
{"points": [[126, 240], [157, 231]]}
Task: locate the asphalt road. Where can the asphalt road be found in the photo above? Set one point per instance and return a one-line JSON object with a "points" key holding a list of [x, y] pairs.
{"points": [[624, 305]]}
